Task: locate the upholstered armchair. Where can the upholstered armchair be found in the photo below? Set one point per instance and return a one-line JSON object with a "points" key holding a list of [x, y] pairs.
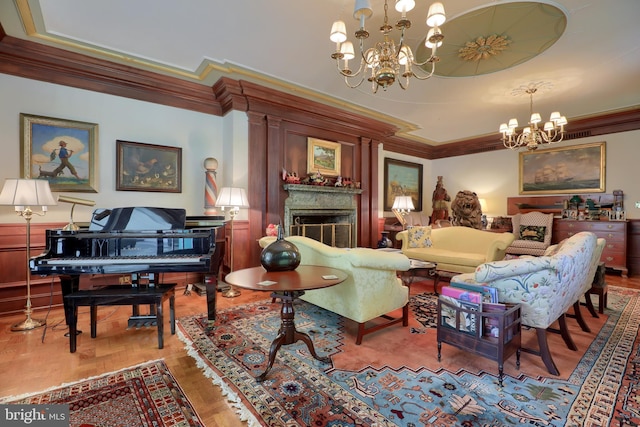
{"points": [[545, 286], [533, 233], [372, 288]]}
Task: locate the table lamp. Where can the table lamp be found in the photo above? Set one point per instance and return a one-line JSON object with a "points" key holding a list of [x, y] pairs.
{"points": [[22, 194], [234, 199], [402, 205]]}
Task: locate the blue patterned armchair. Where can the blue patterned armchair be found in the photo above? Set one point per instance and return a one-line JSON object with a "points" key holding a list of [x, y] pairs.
{"points": [[545, 286]]}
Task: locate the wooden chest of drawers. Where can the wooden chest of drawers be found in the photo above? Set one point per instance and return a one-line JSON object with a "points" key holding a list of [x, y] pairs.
{"points": [[615, 232]]}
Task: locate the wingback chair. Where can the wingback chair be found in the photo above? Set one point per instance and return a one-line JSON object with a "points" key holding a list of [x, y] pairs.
{"points": [[533, 233], [545, 286], [371, 290]]}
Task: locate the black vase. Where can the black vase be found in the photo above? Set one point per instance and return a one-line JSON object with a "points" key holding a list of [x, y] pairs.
{"points": [[280, 255], [385, 241]]}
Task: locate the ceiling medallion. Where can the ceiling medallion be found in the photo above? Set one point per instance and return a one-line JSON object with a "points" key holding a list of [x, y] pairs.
{"points": [[483, 48]]}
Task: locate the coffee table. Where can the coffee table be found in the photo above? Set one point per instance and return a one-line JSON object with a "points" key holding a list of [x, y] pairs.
{"points": [[287, 286], [419, 268]]}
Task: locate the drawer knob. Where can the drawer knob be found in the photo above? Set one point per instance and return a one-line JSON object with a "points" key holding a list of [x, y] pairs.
{"points": [[609, 226], [609, 258], [570, 225], [609, 235], [610, 246]]}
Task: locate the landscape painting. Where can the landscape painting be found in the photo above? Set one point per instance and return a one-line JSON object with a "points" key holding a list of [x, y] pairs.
{"points": [[402, 179], [566, 170]]}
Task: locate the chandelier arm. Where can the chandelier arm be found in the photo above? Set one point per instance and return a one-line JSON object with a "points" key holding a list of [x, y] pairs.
{"points": [[346, 81], [426, 76]]}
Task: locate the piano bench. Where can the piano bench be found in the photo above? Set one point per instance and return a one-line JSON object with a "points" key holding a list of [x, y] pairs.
{"points": [[155, 296]]}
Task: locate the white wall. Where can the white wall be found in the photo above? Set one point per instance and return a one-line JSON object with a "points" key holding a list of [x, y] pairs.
{"points": [[199, 135]]}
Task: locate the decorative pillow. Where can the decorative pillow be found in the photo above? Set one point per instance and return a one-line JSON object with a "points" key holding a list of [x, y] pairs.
{"points": [[532, 232], [419, 237]]}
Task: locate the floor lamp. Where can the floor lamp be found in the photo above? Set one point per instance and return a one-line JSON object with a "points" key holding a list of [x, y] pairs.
{"points": [[234, 199], [22, 194]]}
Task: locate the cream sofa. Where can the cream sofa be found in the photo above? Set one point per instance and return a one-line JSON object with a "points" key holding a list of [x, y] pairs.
{"points": [[455, 249], [372, 288], [545, 286]]}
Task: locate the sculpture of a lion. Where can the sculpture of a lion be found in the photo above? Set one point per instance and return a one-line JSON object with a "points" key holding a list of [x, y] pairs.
{"points": [[466, 210]]}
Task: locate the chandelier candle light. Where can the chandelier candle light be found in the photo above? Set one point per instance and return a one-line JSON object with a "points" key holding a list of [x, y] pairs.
{"points": [[22, 194], [531, 136], [386, 58]]}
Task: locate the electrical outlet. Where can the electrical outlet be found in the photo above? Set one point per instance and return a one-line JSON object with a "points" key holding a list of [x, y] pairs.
{"points": [[637, 204]]}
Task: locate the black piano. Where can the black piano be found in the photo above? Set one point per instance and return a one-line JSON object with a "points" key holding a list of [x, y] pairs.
{"points": [[141, 241]]}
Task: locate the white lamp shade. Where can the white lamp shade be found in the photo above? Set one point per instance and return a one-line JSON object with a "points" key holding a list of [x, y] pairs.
{"points": [[404, 6], [346, 49], [555, 116], [403, 203], [428, 43], [436, 16], [231, 197], [338, 32], [535, 118], [27, 192], [362, 9], [513, 123]]}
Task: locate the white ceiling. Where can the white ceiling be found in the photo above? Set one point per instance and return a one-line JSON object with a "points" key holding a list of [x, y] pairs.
{"points": [[593, 68]]}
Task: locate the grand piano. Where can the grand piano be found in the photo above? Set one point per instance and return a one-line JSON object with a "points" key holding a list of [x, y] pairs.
{"points": [[143, 242]]}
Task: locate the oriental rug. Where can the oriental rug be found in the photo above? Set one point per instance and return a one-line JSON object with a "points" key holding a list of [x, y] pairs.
{"points": [[395, 378], [142, 395]]}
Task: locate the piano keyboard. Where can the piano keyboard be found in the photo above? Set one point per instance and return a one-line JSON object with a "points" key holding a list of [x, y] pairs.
{"points": [[182, 259]]}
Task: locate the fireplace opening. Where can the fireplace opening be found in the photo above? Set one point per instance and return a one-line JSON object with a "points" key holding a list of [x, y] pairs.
{"points": [[332, 230]]}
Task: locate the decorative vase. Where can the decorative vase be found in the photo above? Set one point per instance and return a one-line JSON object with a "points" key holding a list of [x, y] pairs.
{"points": [[280, 255], [385, 241]]}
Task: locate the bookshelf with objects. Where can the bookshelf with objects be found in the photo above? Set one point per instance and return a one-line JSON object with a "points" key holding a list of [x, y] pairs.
{"points": [[473, 320]]}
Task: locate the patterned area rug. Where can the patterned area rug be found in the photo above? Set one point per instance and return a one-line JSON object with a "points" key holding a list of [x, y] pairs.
{"points": [[424, 308], [143, 395], [601, 387]]}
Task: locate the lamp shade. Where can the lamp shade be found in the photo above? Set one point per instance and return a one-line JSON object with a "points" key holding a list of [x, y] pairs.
{"points": [[26, 192], [231, 197], [403, 203], [483, 205]]}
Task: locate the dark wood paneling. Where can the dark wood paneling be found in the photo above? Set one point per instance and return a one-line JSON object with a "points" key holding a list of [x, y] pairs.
{"points": [[633, 247]]}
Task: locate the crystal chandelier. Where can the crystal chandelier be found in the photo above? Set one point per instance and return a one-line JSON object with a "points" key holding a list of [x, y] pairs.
{"points": [[531, 136], [386, 58]]}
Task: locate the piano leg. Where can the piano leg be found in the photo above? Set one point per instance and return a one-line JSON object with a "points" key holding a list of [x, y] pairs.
{"points": [[68, 285], [210, 282]]}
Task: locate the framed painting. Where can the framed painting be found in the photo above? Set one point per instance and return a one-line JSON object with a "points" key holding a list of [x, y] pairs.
{"points": [[64, 152], [323, 157], [148, 167], [567, 170], [402, 179]]}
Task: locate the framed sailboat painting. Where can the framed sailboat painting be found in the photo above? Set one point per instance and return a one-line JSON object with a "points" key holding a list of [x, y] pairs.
{"points": [[566, 170]]}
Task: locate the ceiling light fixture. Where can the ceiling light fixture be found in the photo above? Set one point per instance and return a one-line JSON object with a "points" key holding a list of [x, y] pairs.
{"points": [[385, 59], [531, 136]]}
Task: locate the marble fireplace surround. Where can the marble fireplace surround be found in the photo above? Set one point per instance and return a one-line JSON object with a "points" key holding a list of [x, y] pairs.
{"points": [[316, 204]]}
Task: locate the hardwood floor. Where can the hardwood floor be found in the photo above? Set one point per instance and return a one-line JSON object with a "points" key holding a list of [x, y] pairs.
{"points": [[34, 360]]}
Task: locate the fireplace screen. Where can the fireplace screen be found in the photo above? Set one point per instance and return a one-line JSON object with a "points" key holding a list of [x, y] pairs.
{"points": [[330, 230]]}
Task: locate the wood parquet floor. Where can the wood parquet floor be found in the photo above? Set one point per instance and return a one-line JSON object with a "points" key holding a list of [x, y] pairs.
{"points": [[33, 361]]}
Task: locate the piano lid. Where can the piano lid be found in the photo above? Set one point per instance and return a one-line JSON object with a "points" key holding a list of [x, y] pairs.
{"points": [[138, 219]]}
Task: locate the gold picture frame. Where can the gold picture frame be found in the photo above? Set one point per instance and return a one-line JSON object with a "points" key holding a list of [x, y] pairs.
{"points": [[148, 167], [43, 139], [567, 170], [402, 179], [323, 156]]}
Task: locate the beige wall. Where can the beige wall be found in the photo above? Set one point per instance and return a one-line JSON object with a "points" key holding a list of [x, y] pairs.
{"points": [[199, 135]]}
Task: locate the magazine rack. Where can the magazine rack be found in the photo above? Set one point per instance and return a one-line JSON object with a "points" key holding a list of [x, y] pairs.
{"points": [[494, 334]]}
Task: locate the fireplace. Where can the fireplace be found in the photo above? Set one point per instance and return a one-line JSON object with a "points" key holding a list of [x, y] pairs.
{"points": [[326, 214]]}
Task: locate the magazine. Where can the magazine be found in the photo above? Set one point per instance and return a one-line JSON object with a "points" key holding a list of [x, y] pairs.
{"points": [[455, 313]]}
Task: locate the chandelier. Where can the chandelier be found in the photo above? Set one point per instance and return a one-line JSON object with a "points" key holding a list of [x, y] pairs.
{"points": [[532, 136], [386, 58]]}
